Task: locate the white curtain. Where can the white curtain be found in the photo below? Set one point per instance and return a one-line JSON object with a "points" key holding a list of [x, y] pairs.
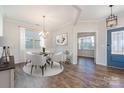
{"points": [[22, 43]]}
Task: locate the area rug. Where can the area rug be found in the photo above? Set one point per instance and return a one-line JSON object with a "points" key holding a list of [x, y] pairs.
{"points": [[48, 72]]}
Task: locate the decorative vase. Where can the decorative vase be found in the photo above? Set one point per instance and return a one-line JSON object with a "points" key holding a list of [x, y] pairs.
{"points": [[5, 55]]}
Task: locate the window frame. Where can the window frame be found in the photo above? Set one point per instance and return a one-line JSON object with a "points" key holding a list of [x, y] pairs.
{"points": [[79, 43], [33, 39]]}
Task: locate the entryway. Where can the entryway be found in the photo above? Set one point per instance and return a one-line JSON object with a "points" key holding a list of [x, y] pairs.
{"points": [[86, 47], [115, 47]]}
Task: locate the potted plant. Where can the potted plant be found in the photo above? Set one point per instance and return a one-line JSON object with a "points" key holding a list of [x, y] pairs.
{"points": [[67, 61]]}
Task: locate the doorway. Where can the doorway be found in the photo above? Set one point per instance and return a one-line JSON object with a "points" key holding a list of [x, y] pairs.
{"points": [[115, 47], [86, 47]]}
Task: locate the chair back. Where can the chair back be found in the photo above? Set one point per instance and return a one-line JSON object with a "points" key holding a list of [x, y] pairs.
{"points": [[28, 55], [36, 59], [58, 57]]}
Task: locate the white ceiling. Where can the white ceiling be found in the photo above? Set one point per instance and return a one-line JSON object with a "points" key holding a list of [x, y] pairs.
{"points": [[94, 12], [58, 15], [55, 15]]}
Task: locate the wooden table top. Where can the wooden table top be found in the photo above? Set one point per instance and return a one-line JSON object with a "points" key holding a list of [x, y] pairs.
{"points": [[9, 65]]}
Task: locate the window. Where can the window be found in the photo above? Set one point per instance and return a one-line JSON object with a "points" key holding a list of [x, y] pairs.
{"points": [[117, 42], [32, 39], [86, 42]]}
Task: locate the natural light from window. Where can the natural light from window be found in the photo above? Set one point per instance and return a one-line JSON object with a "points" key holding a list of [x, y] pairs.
{"points": [[86, 42], [32, 39]]}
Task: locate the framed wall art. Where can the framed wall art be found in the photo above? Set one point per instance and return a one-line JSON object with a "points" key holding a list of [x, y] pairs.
{"points": [[62, 39]]}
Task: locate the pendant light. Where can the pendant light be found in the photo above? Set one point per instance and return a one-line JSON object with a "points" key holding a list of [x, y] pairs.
{"points": [[112, 19], [44, 33]]}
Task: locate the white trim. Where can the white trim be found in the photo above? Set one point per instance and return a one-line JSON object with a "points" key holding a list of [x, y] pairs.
{"points": [[75, 46], [12, 78], [77, 18], [94, 46], [116, 67]]}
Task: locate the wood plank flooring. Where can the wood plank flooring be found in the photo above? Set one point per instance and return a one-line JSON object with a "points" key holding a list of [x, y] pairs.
{"points": [[83, 75]]}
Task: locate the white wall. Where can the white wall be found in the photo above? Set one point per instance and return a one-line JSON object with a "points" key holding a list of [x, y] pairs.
{"points": [[92, 26], [102, 39], [67, 29], [72, 36], [120, 22], [1, 22], [12, 37], [84, 27], [102, 43]]}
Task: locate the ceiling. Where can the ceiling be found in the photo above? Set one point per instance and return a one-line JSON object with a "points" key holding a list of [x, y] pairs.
{"points": [[58, 15], [55, 15], [94, 12]]}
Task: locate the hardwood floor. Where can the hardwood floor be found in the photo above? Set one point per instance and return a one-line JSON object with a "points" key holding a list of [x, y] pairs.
{"points": [[83, 75]]}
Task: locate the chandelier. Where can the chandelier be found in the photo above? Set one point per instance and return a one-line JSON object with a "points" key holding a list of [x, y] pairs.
{"points": [[43, 33], [112, 19]]}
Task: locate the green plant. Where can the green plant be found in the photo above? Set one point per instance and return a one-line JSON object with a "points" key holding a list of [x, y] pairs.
{"points": [[67, 57]]}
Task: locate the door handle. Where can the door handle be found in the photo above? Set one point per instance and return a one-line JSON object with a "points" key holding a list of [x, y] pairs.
{"points": [[108, 44]]}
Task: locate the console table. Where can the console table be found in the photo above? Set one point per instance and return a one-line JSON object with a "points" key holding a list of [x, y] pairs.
{"points": [[7, 74]]}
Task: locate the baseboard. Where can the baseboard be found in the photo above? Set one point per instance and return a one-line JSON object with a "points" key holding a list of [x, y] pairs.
{"points": [[115, 67], [85, 57]]}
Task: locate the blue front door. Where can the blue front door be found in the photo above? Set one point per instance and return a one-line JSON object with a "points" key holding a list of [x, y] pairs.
{"points": [[115, 47]]}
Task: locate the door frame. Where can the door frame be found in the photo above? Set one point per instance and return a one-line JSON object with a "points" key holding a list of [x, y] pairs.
{"points": [[109, 42], [95, 44]]}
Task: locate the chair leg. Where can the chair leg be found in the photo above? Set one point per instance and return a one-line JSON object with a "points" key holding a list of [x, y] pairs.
{"points": [[42, 68], [26, 62], [32, 68], [51, 64], [48, 62], [60, 65], [35, 66], [45, 66]]}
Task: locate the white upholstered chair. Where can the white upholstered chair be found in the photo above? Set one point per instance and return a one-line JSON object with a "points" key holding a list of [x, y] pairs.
{"points": [[36, 61], [57, 57]]}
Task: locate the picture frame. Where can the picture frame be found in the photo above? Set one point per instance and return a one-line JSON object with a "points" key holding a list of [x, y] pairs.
{"points": [[62, 39]]}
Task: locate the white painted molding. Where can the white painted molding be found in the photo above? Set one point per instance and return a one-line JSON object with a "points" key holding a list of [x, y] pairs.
{"points": [[78, 14], [10, 19], [12, 77], [1, 22]]}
